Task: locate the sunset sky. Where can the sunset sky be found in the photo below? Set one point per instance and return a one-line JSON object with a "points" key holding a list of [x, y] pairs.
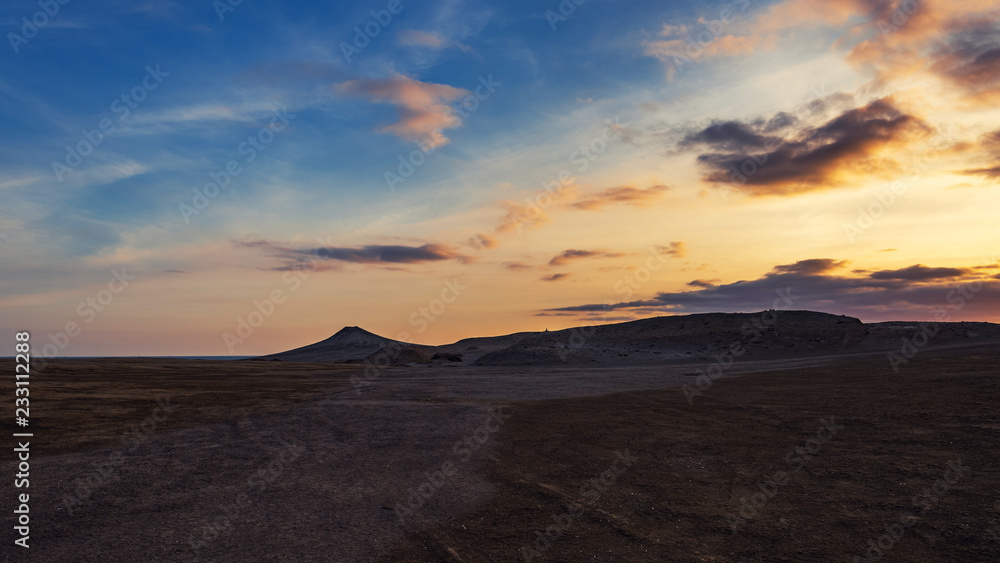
{"points": [[478, 168]]}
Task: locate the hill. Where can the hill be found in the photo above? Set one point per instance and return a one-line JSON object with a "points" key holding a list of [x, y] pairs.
{"points": [[350, 344], [762, 335]]}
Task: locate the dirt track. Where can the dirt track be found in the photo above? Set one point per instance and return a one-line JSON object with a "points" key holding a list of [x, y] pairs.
{"points": [[307, 470]]}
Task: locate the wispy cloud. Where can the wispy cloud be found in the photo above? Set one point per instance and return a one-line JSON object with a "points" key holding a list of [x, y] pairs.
{"points": [[422, 106], [676, 249], [415, 38], [626, 195], [369, 254], [567, 256]]}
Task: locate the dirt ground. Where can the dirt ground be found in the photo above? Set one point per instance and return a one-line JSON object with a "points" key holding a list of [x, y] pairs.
{"points": [[81, 405], [694, 464], [262, 462]]}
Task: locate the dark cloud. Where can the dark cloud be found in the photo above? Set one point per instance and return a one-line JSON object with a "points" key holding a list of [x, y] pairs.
{"points": [[273, 248], [990, 144], [304, 266], [396, 254], [733, 136], [810, 158], [992, 140], [909, 293], [811, 266], [594, 307], [703, 283], [602, 319], [919, 272], [970, 59], [625, 195], [371, 254], [782, 120], [555, 277], [838, 102], [991, 173], [553, 314], [569, 255]]}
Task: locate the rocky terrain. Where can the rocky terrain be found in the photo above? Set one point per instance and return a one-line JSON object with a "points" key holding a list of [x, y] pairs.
{"points": [[763, 335]]}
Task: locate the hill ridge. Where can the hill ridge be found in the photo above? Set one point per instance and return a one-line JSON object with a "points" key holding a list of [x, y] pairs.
{"points": [[770, 334]]}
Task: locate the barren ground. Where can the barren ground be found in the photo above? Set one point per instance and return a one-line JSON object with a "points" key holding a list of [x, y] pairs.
{"points": [[284, 462]]}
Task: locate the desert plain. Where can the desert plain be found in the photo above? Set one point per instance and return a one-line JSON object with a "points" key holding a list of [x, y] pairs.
{"points": [[816, 453]]}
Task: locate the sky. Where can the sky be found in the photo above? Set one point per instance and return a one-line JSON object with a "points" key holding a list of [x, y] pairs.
{"points": [[244, 177]]}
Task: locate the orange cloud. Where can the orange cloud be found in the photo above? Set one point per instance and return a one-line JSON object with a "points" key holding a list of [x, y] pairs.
{"points": [[804, 14], [990, 143], [854, 144], [519, 216], [625, 194], [483, 241], [676, 249], [423, 112], [894, 39]]}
